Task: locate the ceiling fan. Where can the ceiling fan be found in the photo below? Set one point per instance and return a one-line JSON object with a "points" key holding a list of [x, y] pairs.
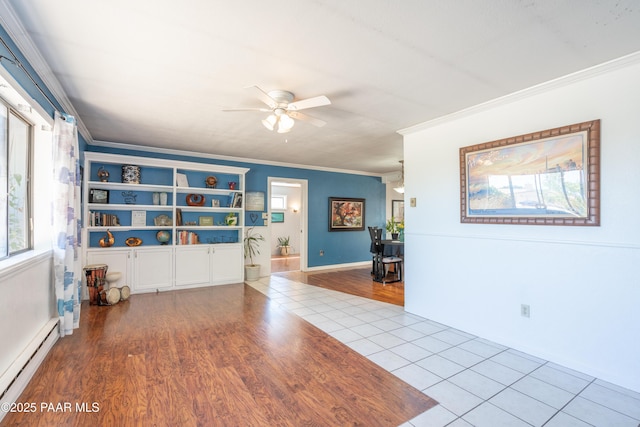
{"points": [[283, 110]]}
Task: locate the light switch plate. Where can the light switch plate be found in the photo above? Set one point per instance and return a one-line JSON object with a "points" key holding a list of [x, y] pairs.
{"points": [[265, 215]]}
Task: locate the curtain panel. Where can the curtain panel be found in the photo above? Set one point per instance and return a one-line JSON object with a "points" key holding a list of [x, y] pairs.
{"points": [[66, 222]]}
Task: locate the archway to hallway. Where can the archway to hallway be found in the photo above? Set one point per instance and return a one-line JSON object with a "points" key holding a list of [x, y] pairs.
{"points": [[288, 221]]}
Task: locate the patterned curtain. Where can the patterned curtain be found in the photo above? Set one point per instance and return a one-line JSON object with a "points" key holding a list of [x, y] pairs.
{"points": [[66, 222]]}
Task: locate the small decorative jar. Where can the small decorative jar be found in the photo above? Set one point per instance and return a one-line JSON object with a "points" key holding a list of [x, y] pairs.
{"points": [[130, 174]]}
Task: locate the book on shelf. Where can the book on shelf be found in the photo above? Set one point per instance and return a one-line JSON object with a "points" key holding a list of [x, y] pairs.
{"points": [[236, 201], [100, 219], [188, 238]]}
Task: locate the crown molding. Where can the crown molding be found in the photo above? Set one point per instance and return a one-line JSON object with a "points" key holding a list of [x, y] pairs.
{"points": [[596, 70], [12, 25], [174, 152]]}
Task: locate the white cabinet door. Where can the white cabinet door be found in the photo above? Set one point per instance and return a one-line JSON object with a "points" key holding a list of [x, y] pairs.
{"points": [[227, 264], [153, 268], [192, 265], [116, 259]]}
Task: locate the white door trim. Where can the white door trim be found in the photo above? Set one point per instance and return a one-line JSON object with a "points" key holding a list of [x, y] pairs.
{"points": [[304, 214]]}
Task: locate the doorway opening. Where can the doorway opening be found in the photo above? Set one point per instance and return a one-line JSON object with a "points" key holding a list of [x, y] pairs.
{"points": [[288, 224]]}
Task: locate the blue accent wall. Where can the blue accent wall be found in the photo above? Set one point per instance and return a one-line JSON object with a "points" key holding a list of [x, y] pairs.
{"points": [[339, 247]]}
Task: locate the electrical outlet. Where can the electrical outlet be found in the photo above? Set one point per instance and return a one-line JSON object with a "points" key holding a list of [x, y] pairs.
{"points": [[525, 310], [321, 253]]}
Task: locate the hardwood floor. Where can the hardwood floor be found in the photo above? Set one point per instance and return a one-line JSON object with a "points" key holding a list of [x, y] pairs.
{"points": [[216, 356], [285, 263], [354, 281]]}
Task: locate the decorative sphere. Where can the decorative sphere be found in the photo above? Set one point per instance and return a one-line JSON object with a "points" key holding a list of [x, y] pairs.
{"points": [[163, 236]]}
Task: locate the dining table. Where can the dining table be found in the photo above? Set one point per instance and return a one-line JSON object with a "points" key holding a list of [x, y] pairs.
{"points": [[392, 248]]}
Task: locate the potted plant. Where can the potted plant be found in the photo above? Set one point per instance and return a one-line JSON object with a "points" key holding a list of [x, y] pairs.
{"points": [[251, 248], [231, 219], [392, 227], [283, 244]]}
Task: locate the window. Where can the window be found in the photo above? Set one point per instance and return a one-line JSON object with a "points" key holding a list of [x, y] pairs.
{"points": [[279, 202], [15, 179]]}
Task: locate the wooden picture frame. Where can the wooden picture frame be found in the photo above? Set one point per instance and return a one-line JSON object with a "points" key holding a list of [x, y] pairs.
{"points": [[346, 214], [550, 177]]}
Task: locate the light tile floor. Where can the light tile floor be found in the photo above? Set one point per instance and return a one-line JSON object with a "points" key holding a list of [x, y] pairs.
{"points": [[475, 381]]}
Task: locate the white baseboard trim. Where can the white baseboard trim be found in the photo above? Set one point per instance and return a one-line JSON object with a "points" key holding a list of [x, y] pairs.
{"points": [[17, 376], [338, 266]]}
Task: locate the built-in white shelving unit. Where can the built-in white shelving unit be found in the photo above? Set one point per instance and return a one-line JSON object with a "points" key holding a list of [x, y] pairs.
{"points": [[189, 231]]}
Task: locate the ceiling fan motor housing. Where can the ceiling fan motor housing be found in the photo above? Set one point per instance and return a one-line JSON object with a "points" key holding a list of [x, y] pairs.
{"points": [[282, 97]]}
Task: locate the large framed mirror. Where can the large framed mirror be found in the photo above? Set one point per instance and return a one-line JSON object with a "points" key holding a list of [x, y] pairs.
{"points": [[397, 210]]}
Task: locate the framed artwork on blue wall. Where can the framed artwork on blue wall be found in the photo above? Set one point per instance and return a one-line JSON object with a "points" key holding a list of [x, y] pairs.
{"points": [[346, 214]]}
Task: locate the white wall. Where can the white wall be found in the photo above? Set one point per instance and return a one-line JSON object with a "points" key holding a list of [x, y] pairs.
{"points": [[26, 306], [582, 283]]}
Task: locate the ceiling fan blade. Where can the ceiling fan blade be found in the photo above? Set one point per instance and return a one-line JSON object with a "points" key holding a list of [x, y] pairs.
{"points": [[306, 118], [316, 101], [264, 110], [264, 97]]}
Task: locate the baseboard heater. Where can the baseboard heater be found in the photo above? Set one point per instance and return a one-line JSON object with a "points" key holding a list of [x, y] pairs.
{"points": [[14, 380]]}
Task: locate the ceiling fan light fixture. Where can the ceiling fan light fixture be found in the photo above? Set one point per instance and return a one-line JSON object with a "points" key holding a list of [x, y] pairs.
{"points": [[270, 122], [283, 110], [285, 124]]}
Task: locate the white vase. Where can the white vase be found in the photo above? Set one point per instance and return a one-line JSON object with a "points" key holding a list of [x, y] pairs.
{"points": [[163, 199], [156, 198]]}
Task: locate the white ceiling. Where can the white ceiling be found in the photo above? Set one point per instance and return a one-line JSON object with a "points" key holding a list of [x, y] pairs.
{"points": [[159, 73]]}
